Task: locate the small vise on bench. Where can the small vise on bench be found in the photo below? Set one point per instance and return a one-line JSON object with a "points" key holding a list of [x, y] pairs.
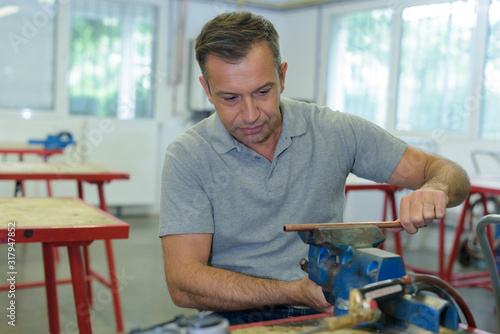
{"points": [[344, 258]]}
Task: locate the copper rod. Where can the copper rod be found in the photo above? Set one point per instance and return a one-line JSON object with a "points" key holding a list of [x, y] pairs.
{"points": [[310, 227]]}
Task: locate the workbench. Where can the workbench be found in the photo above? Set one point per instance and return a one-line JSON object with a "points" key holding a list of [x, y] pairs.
{"points": [[90, 173], [298, 324], [21, 149], [56, 222]]}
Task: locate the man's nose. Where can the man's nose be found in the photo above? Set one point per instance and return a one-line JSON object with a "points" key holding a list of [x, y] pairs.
{"points": [[250, 113]]}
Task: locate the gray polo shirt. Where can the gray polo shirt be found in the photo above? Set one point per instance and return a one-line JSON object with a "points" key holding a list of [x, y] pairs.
{"points": [[211, 183]]}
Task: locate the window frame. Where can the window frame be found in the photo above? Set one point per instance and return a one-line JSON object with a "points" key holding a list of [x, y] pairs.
{"points": [[126, 67], [56, 110], [474, 98], [62, 46]]}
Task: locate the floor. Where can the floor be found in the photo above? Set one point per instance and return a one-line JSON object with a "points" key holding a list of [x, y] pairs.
{"points": [[145, 299]]}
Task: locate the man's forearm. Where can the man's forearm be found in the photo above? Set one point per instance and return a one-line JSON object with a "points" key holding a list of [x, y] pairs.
{"points": [[445, 175], [222, 290], [193, 283], [424, 171]]}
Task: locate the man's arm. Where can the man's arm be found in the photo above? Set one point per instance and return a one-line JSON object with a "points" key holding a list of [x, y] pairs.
{"points": [[438, 183], [192, 283]]}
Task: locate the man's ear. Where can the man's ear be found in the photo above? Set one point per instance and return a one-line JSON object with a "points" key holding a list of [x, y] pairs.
{"points": [[206, 87], [283, 68]]}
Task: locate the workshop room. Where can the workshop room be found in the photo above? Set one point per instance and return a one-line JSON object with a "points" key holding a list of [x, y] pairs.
{"points": [[124, 210]]}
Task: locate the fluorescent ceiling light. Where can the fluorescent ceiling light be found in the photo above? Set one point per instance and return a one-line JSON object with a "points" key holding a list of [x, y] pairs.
{"points": [[8, 10]]}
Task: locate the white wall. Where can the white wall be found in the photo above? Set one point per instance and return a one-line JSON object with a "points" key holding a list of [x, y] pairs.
{"points": [[299, 49]]}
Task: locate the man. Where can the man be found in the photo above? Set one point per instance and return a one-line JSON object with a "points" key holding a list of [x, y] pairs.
{"points": [[232, 181]]}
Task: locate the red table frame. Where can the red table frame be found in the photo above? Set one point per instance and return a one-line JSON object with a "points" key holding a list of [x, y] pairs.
{"points": [[479, 186], [43, 152], [72, 237], [483, 187], [98, 178]]}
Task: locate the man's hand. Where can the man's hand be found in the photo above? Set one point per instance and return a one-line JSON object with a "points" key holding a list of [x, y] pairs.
{"points": [[439, 183], [421, 207], [312, 296]]}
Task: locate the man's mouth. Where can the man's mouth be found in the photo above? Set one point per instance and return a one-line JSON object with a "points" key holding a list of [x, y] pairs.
{"points": [[252, 130]]}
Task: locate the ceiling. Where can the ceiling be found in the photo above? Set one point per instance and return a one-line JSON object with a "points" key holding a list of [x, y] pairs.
{"points": [[282, 4]]}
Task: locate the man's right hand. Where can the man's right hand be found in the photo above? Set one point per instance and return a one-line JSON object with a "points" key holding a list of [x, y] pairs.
{"points": [[313, 296]]}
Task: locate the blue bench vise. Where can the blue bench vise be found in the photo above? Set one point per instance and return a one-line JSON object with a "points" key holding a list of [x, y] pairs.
{"points": [[341, 259], [54, 142]]}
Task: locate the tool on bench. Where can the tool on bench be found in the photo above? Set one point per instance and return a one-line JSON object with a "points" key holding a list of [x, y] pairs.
{"points": [[54, 142], [345, 258], [360, 311], [203, 323]]}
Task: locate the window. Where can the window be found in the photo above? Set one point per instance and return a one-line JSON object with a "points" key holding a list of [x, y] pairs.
{"points": [[111, 68], [490, 117], [358, 75], [434, 73], [27, 55], [416, 66]]}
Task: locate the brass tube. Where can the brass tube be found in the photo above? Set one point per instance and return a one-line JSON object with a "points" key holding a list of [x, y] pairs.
{"points": [[310, 227]]}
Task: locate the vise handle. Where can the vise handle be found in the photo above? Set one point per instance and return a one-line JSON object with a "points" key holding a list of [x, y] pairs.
{"points": [[310, 227]]}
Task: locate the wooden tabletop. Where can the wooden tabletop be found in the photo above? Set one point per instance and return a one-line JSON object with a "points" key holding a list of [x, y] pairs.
{"points": [[299, 324], [18, 145], [14, 170], [57, 219]]}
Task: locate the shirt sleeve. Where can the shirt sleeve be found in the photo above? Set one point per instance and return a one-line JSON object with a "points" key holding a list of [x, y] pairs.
{"points": [[184, 206], [375, 152]]}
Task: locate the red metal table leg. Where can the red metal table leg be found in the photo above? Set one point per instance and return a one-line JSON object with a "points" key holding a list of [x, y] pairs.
{"points": [[80, 189], [386, 202], [112, 269], [86, 255], [102, 199], [114, 287], [51, 288], [20, 183], [49, 189], [384, 217], [458, 233], [441, 226], [88, 283], [79, 291], [397, 237]]}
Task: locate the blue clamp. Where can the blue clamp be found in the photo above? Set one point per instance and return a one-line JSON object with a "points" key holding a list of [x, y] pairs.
{"points": [[54, 142]]}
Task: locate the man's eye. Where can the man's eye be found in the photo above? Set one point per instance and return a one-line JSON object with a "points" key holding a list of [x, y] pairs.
{"points": [[229, 98], [263, 92]]}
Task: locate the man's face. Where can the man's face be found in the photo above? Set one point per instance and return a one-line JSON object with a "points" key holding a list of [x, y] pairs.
{"points": [[246, 95]]}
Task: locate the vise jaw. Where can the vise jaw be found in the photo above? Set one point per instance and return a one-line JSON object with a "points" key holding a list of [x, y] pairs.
{"points": [[344, 258]]}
